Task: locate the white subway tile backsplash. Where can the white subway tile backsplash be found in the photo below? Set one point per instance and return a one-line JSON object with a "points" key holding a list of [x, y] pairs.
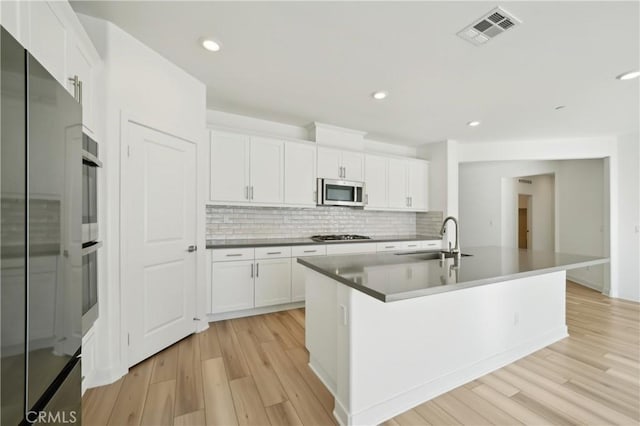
{"points": [[268, 222]]}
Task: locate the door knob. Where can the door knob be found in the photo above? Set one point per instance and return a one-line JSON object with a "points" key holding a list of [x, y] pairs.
{"points": [[191, 249]]}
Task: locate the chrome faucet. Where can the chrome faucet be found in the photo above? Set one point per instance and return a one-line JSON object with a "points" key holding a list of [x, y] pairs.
{"points": [[456, 250]]}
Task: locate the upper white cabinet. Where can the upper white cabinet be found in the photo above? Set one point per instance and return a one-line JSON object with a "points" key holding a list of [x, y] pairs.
{"points": [[338, 164], [375, 176], [246, 169], [394, 183], [48, 38], [229, 167], [417, 185], [397, 184], [266, 170], [52, 33], [300, 174], [80, 79]]}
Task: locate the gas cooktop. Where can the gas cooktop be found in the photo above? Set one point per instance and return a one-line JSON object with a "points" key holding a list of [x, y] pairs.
{"points": [[342, 237]]}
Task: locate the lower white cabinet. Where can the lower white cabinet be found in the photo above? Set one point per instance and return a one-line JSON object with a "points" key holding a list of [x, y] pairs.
{"points": [[272, 282], [298, 271], [232, 286], [247, 278]]}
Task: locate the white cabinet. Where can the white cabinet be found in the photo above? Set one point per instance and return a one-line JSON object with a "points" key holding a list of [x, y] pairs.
{"points": [[229, 171], [351, 248], [232, 286], [266, 173], [375, 177], [399, 246], [48, 38], [246, 170], [338, 164], [394, 183], [245, 278], [80, 79], [52, 33], [417, 185], [300, 174], [353, 165], [273, 281], [298, 271], [398, 196]]}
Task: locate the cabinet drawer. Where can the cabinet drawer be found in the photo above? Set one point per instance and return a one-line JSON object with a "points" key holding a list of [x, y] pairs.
{"points": [[412, 245], [315, 250], [432, 245], [390, 246], [272, 252], [225, 255], [351, 248]]}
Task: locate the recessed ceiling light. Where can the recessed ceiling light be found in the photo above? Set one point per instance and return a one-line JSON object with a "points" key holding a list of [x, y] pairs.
{"points": [[473, 123], [211, 45], [560, 107], [380, 95], [628, 75]]}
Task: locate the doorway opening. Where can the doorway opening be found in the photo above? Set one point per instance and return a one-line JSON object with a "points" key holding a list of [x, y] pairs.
{"points": [[524, 221]]}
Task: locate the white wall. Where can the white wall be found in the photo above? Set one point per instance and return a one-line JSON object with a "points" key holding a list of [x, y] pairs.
{"points": [[488, 201], [581, 205], [629, 215], [621, 160], [137, 83]]}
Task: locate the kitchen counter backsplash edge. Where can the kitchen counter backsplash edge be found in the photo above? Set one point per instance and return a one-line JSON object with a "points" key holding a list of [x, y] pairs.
{"points": [[274, 242]]}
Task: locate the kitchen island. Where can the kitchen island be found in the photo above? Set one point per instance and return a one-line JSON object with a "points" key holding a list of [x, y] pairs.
{"points": [[386, 332]]}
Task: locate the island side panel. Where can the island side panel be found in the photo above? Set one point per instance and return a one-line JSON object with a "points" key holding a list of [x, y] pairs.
{"points": [[407, 352], [321, 326]]}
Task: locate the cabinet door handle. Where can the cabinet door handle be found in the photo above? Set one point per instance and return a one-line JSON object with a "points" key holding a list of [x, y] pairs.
{"points": [[75, 80], [257, 270], [251, 192], [389, 246], [366, 198], [191, 249], [310, 251], [234, 255], [246, 192], [80, 91], [315, 196], [274, 252], [410, 201], [252, 270]]}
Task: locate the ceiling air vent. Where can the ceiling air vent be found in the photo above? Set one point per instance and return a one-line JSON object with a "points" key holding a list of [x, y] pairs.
{"points": [[489, 26]]}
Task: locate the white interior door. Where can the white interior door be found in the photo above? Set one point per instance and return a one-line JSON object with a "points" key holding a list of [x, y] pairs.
{"points": [[160, 224]]}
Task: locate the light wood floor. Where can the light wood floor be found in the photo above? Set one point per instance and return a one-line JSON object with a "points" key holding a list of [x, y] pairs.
{"points": [[253, 371]]}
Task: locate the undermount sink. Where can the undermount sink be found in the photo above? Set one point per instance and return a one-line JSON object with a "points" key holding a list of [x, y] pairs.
{"points": [[430, 255]]}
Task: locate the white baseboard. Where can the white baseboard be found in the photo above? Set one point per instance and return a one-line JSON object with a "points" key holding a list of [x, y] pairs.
{"points": [[255, 311], [103, 376], [586, 283], [427, 391]]}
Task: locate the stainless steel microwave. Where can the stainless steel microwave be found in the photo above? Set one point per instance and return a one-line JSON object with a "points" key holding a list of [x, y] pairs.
{"points": [[340, 193]]}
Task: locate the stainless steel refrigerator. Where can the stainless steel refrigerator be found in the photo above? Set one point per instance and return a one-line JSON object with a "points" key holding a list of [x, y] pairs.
{"points": [[40, 302]]}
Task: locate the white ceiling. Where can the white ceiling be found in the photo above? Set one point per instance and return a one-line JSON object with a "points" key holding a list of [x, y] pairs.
{"points": [[297, 62]]}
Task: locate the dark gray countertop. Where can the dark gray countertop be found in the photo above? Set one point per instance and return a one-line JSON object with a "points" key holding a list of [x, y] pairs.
{"points": [[390, 277], [266, 242]]}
